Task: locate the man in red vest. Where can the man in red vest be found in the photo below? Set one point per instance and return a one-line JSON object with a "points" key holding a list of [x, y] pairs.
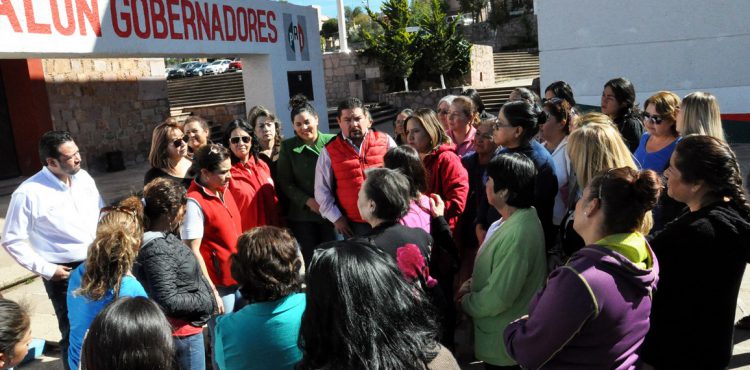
{"points": [[341, 166]]}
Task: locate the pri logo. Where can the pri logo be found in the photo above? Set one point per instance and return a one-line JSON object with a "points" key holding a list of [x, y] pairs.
{"points": [[296, 39]]}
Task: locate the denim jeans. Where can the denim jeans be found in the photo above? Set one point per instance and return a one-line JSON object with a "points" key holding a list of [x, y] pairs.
{"points": [[233, 301], [57, 291], [190, 353], [310, 234]]}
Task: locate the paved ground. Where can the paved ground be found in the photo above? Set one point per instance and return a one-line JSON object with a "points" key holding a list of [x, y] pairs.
{"points": [[117, 185]]}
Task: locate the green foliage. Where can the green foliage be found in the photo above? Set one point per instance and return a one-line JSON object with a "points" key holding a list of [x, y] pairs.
{"points": [[437, 49], [330, 28], [473, 7], [395, 48]]}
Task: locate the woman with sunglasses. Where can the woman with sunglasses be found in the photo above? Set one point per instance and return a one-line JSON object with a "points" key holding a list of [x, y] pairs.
{"points": [[703, 251], [168, 154], [252, 184], [106, 273], [593, 313], [661, 137]]}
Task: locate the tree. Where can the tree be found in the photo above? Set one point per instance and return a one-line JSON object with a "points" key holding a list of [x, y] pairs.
{"points": [[442, 45], [330, 28], [473, 7], [396, 49]]}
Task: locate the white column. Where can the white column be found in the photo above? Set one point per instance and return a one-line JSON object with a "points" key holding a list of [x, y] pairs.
{"points": [[343, 46]]}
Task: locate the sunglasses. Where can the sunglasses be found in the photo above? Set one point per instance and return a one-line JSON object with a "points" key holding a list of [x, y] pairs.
{"points": [[178, 142], [236, 140], [442, 111], [654, 118]]}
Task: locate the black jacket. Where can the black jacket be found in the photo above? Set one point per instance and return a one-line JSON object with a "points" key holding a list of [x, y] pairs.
{"points": [[171, 276], [702, 257], [631, 129]]}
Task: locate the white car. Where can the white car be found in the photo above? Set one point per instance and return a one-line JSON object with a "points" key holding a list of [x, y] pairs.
{"points": [[217, 66]]}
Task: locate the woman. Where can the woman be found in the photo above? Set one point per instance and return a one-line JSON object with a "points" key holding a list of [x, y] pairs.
{"points": [[129, 334], [555, 133], [297, 160], [15, 333], [106, 273], [268, 268], [517, 124], [592, 148], [475, 97], [399, 126], [561, 90], [462, 117], [198, 133], [511, 263], [443, 107], [593, 312], [618, 102], [446, 176], [252, 184], [267, 130], [362, 314], [661, 137], [406, 160], [168, 154], [213, 223], [704, 174], [382, 201], [524, 94], [170, 273], [699, 114]]}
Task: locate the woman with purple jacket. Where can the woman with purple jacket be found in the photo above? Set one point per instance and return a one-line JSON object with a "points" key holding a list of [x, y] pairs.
{"points": [[593, 312]]}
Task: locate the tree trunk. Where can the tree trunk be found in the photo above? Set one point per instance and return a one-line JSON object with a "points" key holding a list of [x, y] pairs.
{"points": [[442, 82], [406, 84]]}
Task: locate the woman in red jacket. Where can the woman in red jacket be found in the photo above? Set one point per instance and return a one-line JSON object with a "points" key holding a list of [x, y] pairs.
{"points": [[446, 175], [252, 185]]}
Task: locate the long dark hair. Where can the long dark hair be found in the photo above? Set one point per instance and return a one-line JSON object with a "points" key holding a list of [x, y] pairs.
{"points": [[561, 89], [362, 314], [625, 95], [242, 125], [129, 334], [708, 159]]}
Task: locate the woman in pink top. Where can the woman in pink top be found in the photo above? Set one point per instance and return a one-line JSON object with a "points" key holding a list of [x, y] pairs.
{"points": [[462, 118], [406, 160]]}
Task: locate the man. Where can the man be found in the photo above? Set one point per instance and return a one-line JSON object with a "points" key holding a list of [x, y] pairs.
{"points": [[51, 221], [340, 170]]}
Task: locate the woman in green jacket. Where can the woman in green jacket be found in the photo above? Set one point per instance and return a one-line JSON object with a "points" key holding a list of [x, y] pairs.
{"points": [[510, 265], [296, 171]]}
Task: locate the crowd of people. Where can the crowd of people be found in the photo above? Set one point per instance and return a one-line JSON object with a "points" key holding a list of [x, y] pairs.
{"points": [[559, 238]]}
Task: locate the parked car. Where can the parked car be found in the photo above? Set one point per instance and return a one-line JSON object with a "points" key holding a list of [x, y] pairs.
{"points": [[180, 70], [235, 65], [197, 69], [217, 66]]}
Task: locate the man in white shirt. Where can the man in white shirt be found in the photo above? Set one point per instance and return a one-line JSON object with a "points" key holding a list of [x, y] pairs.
{"points": [[340, 170], [52, 219]]}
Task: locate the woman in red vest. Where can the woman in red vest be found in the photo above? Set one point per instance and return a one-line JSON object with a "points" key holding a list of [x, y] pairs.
{"points": [[447, 177], [213, 223], [252, 185]]}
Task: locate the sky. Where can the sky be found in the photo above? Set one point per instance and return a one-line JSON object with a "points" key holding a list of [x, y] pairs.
{"points": [[328, 7]]}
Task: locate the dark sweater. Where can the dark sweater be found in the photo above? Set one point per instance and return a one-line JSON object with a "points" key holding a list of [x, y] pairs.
{"points": [[171, 276], [702, 255], [631, 129]]}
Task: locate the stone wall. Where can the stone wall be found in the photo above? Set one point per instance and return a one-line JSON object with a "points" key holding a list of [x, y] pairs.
{"points": [[482, 70], [219, 115], [517, 32], [349, 75], [418, 99], [107, 104]]}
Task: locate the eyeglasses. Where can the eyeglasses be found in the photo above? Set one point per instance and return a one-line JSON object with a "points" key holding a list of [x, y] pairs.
{"points": [[178, 142], [236, 140], [442, 112], [654, 118], [498, 125], [487, 136]]}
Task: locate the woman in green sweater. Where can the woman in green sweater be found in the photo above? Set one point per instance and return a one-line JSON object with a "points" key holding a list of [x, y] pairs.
{"points": [[296, 171], [510, 265]]}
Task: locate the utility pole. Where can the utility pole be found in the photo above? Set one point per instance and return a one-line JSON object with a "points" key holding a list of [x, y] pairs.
{"points": [[343, 46]]}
